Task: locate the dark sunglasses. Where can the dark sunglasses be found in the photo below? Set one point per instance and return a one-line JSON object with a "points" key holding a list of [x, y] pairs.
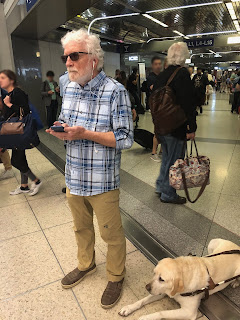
{"points": [[74, 56]]}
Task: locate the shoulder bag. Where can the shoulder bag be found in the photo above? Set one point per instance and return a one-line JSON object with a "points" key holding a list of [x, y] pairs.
{"points": [[19, 132], [191, 172], [167, 115]]}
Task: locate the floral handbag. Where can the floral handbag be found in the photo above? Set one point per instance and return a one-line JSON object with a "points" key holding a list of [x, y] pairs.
{"points": [[190, 173]]}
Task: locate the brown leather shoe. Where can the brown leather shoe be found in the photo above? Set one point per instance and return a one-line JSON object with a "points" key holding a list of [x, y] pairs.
{"points": [[112, 294], [74, 277]]}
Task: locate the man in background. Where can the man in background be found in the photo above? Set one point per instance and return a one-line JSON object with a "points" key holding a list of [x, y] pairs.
{"points": [[151, 82], [50, 94], [200, 82], [117, 73]]}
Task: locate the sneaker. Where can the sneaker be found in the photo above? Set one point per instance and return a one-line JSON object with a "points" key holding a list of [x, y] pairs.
{"points": [[155, 157], [112, 294], [35, 188], [6, 174], [74, 277], [18, 190]]}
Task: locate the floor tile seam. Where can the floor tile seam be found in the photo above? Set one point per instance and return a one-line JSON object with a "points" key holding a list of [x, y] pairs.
{"points": [[21, 235], [56, 259], [137, 299], [28, 291], [79, 305], [13, 204]]}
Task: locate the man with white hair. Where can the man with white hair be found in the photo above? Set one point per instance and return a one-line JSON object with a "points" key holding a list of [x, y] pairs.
{"points": [[97, 120]]}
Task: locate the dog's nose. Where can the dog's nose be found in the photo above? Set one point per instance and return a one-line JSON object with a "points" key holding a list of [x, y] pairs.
{"points": [[148, 287]]}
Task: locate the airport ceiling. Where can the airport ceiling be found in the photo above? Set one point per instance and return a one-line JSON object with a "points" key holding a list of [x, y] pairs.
{"points": [[198, 17]]}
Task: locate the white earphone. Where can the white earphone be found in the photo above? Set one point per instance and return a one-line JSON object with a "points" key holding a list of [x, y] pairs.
{"points": [[93, 64]]}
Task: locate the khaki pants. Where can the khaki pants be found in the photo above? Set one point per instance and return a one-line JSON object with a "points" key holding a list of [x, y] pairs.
{"points": [[5, 158], [106, 208]]}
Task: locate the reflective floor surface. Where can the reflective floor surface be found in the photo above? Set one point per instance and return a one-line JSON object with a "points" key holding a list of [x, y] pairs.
{"points": [[37, 248]]}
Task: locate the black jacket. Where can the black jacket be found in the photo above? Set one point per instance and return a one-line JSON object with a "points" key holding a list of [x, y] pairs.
{"points": [[183, 88], [19, 99]]}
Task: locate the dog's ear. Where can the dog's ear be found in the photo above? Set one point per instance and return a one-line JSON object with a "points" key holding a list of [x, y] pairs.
{"points": [[177, 287]]}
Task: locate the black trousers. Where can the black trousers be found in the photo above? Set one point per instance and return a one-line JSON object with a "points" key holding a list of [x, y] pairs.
{"points": [[19, 161], [236, 101], [52, 113]]}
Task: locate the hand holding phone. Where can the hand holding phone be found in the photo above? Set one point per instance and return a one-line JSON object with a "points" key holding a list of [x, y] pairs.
{"points": [[57, 128]]}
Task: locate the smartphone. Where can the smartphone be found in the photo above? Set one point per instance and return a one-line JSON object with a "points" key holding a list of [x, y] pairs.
{"points": [[57, 128]]}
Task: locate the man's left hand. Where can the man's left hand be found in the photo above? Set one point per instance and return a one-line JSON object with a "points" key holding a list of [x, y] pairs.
{"points": [[70, 133]]}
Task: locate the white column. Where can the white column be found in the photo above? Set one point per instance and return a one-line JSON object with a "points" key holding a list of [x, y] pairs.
{"points": [[5, 43]]}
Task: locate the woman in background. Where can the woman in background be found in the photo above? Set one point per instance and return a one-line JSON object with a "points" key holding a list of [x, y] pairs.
{"points": [[14, 100]]}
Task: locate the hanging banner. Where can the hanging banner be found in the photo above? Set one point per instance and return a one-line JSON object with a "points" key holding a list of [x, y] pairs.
{"points": [[30, 4], [198, 43]]}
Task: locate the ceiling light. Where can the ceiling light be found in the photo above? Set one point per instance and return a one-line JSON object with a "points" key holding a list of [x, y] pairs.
{"points": [[181, 34], [210, 33], [229, 5], [236, 25], [212, 51], [185, 7], [163, 38], [155, 20], [232, 40], [112, 17]]}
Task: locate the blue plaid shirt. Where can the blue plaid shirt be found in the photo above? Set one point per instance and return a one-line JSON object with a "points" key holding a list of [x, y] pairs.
{"points": [[102, 105]]}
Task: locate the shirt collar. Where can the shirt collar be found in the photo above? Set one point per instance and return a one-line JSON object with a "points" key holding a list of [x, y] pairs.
{"points": [[96, 80]]}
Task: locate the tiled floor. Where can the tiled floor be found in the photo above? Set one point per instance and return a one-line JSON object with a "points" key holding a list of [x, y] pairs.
{"points": [[37, 247]]}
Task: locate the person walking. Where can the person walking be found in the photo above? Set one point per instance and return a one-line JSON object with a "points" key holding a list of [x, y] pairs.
{"points": [[200, 82], [236, 93], [7, 172], [132, 87], [14, 100], [224, 82], [97, 120], [172, 144], [50, 94]]}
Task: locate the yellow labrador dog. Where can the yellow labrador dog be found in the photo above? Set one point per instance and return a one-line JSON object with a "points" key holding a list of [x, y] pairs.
{"points": [[189, 279]]}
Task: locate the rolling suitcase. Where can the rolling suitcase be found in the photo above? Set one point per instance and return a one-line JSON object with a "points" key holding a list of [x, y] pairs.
{"points": [[144, 138]]}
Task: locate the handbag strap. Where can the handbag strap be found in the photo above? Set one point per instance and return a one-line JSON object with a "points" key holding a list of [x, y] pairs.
{"points": [[10, 117], [193, 142], [173, 76], [200, 191]]}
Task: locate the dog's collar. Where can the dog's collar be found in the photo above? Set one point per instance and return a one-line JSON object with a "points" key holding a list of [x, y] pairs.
{"points": [[211, 283]]}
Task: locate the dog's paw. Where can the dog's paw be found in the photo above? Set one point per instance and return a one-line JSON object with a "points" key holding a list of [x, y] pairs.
{"points": [[126, 311], [235, 284]]}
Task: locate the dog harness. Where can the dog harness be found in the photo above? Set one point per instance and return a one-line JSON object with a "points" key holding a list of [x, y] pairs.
{"points": [[211, 284]]}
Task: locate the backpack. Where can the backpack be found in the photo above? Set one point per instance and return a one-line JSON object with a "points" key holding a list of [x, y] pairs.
{"points": [[166, 114]]}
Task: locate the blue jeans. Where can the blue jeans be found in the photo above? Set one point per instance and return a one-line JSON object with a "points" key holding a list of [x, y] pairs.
{"points": [[172, 149]]}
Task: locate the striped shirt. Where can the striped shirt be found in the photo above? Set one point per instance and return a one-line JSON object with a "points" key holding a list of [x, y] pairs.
{"points": [[102, 105]]}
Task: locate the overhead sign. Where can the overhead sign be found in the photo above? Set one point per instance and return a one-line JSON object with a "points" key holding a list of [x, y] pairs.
{"points": [[30, 4], [198, 43]]}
